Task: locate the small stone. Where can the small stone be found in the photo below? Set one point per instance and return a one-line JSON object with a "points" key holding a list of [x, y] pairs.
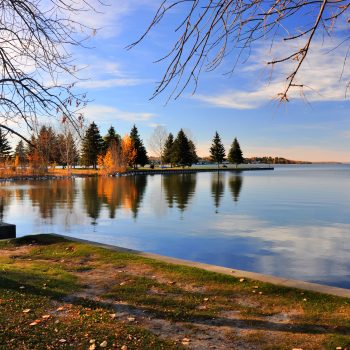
{"points": [[45, 317], [22, 287], [124, 347], [92, 341], [304, 299], [61, 308], [260, 293], [338, 348], [131, 319], [103, 344], [256, 287], [172, 282], [206, 299], [122, 283], [92, 347], [25, 311], [185, 341], [297, 349], [241, 279], [254, 291], [113, 316], [62, 340]]}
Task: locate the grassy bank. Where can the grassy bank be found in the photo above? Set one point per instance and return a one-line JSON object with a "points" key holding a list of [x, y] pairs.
{"points": [[82, 172], [59, 294]]}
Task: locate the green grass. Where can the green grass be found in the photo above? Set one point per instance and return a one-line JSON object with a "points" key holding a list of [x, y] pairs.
{"points": [[51, 269]]}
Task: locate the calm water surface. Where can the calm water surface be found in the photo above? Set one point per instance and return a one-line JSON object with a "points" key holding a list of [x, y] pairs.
{"points": [[292, 222]]}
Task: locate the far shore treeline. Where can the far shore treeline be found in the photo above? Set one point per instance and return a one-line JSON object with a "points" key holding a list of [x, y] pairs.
{"points": [[113, 153], [110, 153]]}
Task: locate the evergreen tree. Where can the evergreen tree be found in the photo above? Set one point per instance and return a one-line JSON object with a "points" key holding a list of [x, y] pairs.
{"points": [[20, 153], [92, 146], [168, 149], [182, 153], [217, 150], [193, 152], [5, 148], [141, 153], [235, 154], [110, 138]]}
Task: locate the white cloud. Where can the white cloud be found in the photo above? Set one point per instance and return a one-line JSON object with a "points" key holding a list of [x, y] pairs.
{"points": [[99, 73], [154, 125], [107, 16], [109, 83], [101, 113], [324, 75]]}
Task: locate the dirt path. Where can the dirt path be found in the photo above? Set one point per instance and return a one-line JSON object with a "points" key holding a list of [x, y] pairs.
{"points": [[228, 331]]}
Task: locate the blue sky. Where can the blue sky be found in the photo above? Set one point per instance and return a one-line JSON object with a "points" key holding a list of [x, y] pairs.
{"points": [[241, 105]]}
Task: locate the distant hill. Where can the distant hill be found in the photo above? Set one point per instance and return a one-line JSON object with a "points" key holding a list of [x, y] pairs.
{"points": [[274, 160]]}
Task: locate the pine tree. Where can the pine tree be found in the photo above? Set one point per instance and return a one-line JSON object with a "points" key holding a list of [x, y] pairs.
{"points": [[168, 149], [5, 148], [182, 153], [141, 153], [92, 145], [193, 152], [217, 150], [235, 154], [20, 153], [111, 136]]}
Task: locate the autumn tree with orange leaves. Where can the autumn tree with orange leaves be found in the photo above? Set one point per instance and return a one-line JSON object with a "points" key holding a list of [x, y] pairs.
{"points": [[118, 157]]}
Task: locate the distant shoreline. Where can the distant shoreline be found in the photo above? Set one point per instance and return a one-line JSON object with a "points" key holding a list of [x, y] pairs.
{"points": [[142, 171]]}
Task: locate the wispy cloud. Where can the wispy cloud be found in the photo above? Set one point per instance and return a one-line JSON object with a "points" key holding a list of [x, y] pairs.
{"points": [[102, 113], [98, 73], [109, 83], [324, 75], [154, 125], [108, 16]]}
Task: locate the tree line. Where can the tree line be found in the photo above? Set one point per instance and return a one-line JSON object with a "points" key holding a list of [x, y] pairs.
{"points": [[110, 153]]}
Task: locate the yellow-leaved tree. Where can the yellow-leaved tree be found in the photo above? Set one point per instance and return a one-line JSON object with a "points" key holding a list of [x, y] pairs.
{"points": [[129, 153]]}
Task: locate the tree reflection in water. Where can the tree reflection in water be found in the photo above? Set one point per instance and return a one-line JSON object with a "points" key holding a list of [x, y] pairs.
{"points": [[217, 188], [179, 188], [235, 184], [124, 192], [92, 201], [5, 200], [50, 194]]}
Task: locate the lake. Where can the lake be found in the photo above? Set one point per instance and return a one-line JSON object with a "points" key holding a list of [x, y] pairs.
{"points": [[292, 222]]}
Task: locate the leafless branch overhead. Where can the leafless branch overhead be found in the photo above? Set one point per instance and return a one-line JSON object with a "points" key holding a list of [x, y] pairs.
{"points": [[211, 31]]}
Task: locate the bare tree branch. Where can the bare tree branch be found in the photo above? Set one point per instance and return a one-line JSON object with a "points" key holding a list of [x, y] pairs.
{"points": [[35, 37], [211, 31]]}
